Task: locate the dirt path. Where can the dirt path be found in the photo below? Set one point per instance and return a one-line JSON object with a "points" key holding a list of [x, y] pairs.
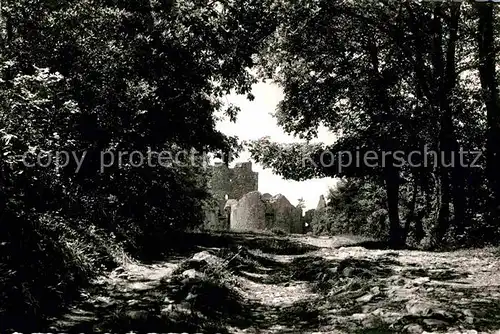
{"points": [[298, 284], [128, 291]]}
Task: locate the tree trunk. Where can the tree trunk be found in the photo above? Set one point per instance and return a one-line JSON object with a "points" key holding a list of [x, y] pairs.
{"points": [[452, 188], [392, 181], [443, 221], [489, 85], [3, 190], [459, 199], [384, 117], [457, 172], [439, 100], [411, 212]]}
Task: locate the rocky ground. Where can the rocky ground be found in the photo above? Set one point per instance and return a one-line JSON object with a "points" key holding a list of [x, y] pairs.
{"points": [[245, 283]]}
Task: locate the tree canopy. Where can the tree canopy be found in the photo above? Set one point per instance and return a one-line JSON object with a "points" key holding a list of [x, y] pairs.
{"points": [[388, 77]]}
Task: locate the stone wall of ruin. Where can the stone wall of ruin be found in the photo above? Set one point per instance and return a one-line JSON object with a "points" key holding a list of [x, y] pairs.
{"points": [[242, 208], [249, 213], [228, 183], [256, 212], [220, 184], [243, 180], [232, 183]]}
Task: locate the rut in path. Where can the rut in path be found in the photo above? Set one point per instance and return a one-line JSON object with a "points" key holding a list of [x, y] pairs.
{"points": [[267, 284]]}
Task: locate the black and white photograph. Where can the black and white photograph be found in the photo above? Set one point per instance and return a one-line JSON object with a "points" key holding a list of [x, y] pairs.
{"points": [[250, 166]]}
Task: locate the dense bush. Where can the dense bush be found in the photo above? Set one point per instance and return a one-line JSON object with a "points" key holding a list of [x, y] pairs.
{"points": [[354, 207], [358, 206], [45, 260], [88, 77]]}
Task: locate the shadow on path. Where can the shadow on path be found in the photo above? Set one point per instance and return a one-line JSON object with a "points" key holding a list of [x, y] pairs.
{"points": [[239, 283]]}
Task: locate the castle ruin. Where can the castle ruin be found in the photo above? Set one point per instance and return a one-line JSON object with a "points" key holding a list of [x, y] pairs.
{"points": [[256, 212], [228, 184], [240, 207]]}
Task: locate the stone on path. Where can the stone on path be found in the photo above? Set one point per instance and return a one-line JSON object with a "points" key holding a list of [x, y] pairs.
{"points": [[413, 329]]}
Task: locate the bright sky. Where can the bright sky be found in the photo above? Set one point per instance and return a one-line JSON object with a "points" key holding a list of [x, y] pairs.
{"points": [[256, 121]]}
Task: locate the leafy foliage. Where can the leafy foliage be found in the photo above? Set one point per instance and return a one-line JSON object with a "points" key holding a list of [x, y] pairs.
{"points": [[354, 207], [88, 77], [391, 77]]}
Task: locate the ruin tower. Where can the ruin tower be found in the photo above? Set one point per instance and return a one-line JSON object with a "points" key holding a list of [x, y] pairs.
{"points": [[220, 184], [231, 184], [243, 180], [322, 203]]}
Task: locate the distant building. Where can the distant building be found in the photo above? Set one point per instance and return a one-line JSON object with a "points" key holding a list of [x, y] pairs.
{"points": [[241, 207], [257, 212], [229, 184]]}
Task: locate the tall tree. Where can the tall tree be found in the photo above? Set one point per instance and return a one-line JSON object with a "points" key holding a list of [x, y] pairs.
{"points": [[88, 76], [487, 51], [143, 76], [380, 76]]}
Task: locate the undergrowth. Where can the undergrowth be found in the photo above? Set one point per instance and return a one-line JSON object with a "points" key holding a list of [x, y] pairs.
{"points": [[44, 262]]}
